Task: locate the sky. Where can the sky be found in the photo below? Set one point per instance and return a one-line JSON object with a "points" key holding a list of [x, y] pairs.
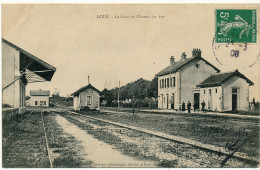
{"points": [[78, 43]]}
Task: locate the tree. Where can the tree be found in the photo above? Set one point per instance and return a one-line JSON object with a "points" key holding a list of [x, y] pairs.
{"points": [[139, 89], [152, 88]]}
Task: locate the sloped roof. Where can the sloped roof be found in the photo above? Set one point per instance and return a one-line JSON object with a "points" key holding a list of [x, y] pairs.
{"points": [[84, 88], [31, 63], [218, 79], [177, 65], [39, 93]]}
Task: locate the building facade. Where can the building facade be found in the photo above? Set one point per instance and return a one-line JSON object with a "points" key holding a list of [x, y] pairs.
{"points": [[226, 91], [18, 69], [87, 96], [178, 83], [39, 98], [193, 79]]}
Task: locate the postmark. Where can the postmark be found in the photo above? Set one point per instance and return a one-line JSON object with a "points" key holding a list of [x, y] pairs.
{"points": [[236, 36], [236, 26]]}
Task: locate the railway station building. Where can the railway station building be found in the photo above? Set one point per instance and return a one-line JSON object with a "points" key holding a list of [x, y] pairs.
{"points": [[19, 68], [196, 80]]}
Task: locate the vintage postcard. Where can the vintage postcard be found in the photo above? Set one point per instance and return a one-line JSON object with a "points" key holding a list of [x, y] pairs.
{"points": [[130, 85]]}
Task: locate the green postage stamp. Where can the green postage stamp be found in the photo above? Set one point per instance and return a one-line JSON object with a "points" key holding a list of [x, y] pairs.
{"points": [[236, 26]]}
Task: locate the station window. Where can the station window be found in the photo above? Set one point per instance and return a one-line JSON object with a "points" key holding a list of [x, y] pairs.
{"points": [[43, 103], [36, 103], [89, 100], [234, 90], [197, 65], [204, 91], [173, 79], [216, 90], [167, 82], [162, 83]]}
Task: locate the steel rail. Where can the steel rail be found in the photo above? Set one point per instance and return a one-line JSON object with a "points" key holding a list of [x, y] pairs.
{"points": [[46, 142], [171, 138]]}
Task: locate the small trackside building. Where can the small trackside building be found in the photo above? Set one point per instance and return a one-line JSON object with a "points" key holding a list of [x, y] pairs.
{"points": [[86, 96], [39, 98], [226, 91]]}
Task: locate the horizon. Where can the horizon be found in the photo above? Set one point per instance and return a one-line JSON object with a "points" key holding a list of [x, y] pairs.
{"points": [[76, 42]]}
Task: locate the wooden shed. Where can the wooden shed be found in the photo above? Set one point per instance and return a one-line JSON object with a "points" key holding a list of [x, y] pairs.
{"points": [[86, 96]]}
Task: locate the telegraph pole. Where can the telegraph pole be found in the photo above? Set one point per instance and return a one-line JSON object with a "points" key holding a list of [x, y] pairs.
{"points": [[118, 95]]}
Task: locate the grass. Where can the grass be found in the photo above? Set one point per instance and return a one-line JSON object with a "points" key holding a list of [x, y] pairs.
{"points": [[206, 129], [127, 148], [23, 142], [62, 145], [146, 147]]}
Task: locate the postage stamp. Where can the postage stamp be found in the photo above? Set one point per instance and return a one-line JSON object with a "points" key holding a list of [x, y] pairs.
{"points": [[236, 25]]}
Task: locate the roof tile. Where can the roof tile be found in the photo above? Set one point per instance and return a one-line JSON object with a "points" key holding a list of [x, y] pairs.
{"points": [[39, 93]]}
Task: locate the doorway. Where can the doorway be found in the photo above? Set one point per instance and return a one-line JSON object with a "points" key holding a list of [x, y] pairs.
{"points": [[210, 100], [196, 101], [234, 99], [167, 101], [172, 101], [162, 101]]}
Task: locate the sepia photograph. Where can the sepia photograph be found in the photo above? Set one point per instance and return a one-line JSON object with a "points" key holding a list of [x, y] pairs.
{"points": [[130, 85]]}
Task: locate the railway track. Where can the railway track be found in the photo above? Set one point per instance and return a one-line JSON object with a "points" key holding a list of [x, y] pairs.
{"points": [[206, 149], [46, 141]]}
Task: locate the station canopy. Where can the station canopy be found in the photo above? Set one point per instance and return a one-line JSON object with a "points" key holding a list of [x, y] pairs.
{"points": [[32, 68]]}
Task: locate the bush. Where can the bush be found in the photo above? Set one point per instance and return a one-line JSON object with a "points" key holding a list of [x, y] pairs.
{"points": [[6, 106]]}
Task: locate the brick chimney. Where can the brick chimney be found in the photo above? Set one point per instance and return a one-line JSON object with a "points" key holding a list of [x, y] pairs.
{"points": [[183, 56], [196, 52], [172, 60]]}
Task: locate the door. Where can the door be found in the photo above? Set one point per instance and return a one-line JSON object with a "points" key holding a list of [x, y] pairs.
{"points": [[210, 100], [89, 100], [234, 99], [167, 101], [162, 101], [196, 100], [172, 101]]}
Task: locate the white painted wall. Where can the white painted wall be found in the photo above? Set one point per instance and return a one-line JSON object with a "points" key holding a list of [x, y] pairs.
{"points": [[81, 100], [163, 92], [13, 95], [191, 76], [222, 101], [31, 101], [186, 80], [94, 95], [76, 102], [243, 93], [216, 97]]}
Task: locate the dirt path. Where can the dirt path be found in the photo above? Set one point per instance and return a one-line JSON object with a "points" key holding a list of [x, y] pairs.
{"points": [[100, 153]]}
